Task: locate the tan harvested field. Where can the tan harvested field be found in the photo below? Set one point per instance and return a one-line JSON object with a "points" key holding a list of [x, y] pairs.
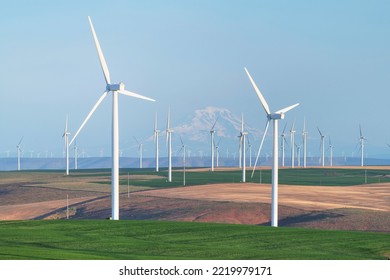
{"points": [[372, 197], [43, 196]]}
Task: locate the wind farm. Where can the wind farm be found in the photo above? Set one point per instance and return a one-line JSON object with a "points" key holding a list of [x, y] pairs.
{"points": [[204, 178]]}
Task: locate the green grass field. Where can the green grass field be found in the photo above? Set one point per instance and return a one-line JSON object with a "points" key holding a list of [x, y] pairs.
{"points": [[92, 239]]}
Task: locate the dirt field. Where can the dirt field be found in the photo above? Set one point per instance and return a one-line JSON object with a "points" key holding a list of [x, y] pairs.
{"points": [[364, 207]]}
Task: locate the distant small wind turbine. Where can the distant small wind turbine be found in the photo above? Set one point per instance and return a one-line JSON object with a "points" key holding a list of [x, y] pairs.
{"points": [[183, 147], [139, 151], [115, 89], [242, 136], [275, 168], [217, 149], [331, 153], [292, 133], [169, 143], [212, 131], [298, 154], [283, 141], [304, 140], [250, 152], [76, 153], [156, 133], [18, 150], [66, 138], [362, 139], [322, 147]]}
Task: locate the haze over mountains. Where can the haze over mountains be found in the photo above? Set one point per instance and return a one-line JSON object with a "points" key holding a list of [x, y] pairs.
{"points": [[195, 133]]}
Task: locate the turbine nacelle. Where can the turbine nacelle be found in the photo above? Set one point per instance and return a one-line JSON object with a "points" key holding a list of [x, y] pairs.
{"points": [[276, 116], [115, 87]]}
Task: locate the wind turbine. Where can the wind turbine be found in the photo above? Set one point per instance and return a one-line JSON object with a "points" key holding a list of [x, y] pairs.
{"points": [[140, 152], [322, 147], [292, 133], [115, 89], [156, 133], [274, 117], [304, 139], [242, 136], [169, 143], [212, 131], [183, 147], [66, 138], [217, 148], [298, 154], [283, 135], [76, 152], [331, 152], [18, 149], [362, 139], [250, 152]]}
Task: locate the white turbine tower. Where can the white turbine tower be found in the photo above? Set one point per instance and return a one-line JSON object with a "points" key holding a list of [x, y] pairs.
{"points": [[250, 152], [156, 133], [19, 150], [212, 131], [139, 151], [66, 138], [274, 117], [292, 133], [283, 140], [169, 143], [362, 139], [115, 89], [304, 140], [322, 148]]}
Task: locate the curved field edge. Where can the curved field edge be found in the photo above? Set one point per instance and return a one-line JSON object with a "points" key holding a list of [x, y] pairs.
{"points": [[147, 240]]}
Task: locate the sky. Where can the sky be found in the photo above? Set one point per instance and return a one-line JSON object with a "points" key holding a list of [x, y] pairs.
{"points": [[330, 56]]}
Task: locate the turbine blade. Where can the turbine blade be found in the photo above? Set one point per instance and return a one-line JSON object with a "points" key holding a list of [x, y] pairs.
{"points": [[361, 134], [261, 145], [242, 122], [284, 129], [155, 128], [319, 131], [89, 115], [285, 110], [132, 94], [100, 53], [262, 100], [212, 128], [20, 142]]}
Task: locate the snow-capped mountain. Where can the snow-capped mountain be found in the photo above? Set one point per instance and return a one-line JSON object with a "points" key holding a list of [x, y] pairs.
{"points": [[198, 125]]}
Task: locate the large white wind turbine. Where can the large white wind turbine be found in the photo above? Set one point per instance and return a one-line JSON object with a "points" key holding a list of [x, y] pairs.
{"points": [[115, 89], [322, 147], [274, 117], [212, 131], [292, 134], [19, 150], [362, 139], [169, 143], [242, 136], [156, 133], [66, 138], [304, 139]]}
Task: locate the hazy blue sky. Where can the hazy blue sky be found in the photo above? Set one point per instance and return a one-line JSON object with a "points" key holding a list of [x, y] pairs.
{"points": [[331, 56]]}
